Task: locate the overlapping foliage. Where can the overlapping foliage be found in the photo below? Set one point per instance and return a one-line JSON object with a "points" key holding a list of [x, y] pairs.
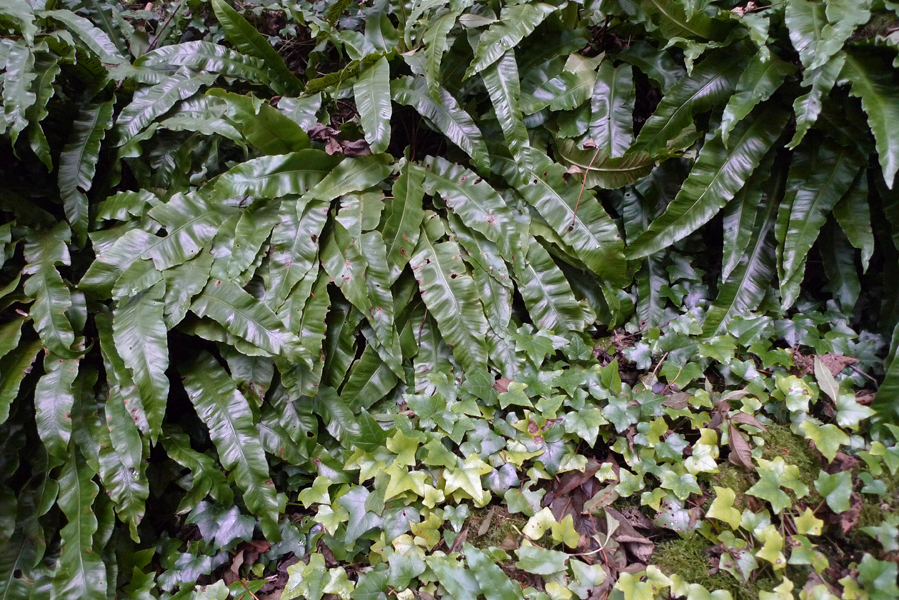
{"points": [[335, 282]]}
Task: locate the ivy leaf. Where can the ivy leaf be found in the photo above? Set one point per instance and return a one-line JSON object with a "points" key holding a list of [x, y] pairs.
{"points": [[722, 507], [768, 488], [836, 489], [229, 418], [361, 520], [404, 568], [682, 486], [540, 561], [467, 477], [828, 438], [493, 582]]}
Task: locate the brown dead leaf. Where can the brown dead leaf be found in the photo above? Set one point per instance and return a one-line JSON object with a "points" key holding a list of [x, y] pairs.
{"points": [[502, 385], [740, 451], [601, 499], [850, 518], [459, 541], [678, 401], [485, 524], [747, 419], [355, 148], [332, 146], [574, 479], [836, 362], [842, 462]]}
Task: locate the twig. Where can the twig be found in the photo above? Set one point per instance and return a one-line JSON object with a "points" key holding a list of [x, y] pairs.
{"points": [[244, 584], [863, 374], [168, 20], [583, 186], [420, 327]]}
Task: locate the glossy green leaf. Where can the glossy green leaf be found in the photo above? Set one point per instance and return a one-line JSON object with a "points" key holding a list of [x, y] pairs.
{"points": [[504, 88], [244, 316], [711, 83], [157, 100], [818, 178], [260, 124], [229, 418], [600, 170], [274, 176], [140, 338], [15, 365], [205, 56], [612, 107], [52, 298], [516, 23], [547, 294], [576, 216], [78, 162], [757, 83], [872, 81], [403, 218], [351, 175], [754, 269], [53, 400], [17, 93], [474, 201], [451, 296], [808, 106], [446, 114], [372, 95], [716, 177], [96, 40], [854, 216], [675, 22], [190, 221], [81, 572], [249, 41]]}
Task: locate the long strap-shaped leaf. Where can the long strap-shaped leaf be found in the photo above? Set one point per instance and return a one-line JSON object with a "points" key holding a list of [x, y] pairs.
{"points": [[202, 56], [78, 162], [576, 216], [230, 420], [404, 215], [249, 41], [450, 295], [516, 23], [273, 176], [546, 293], [475, 202], [854, 215], [157, 100], [14, 366], [818, 179], [712, 81], [81, 573], [261, 124], [446, 114], [757, 83], [52, 298], [294, 246], [504, 87], [117, 455], [886, 403], [748, 283], [17, 93], [191, 222], [372, 94], [245, 317], [141, 340], [612, 107], [873, 82], [717, 176], [53, 400]]}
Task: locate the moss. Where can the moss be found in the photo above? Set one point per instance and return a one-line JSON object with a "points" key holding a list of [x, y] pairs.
{"points": [[735, 478], [781, 441], [689, 558], [502, 524]]}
